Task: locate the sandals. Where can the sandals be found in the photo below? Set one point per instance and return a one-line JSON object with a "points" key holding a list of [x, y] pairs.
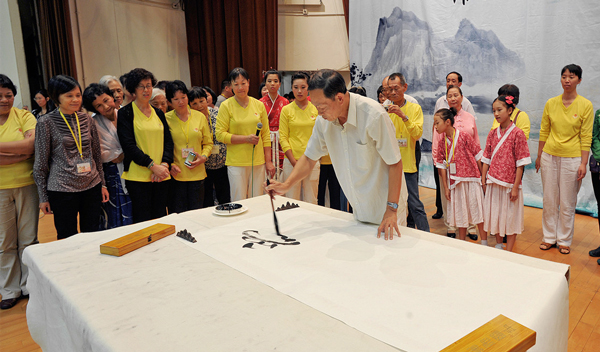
{"points": [[564, 249], [546, 246]]}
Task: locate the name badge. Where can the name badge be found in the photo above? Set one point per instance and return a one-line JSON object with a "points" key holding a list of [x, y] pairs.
{"points": [[83, 168], [185, 152], [215, 149], [402, 142], [452, 168]]}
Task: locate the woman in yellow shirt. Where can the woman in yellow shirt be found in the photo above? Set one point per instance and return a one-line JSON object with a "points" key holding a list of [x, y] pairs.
{"points": [[565, 140], [191, 134], [18, 194], [147, 147], [248, 145], [295, 128]]}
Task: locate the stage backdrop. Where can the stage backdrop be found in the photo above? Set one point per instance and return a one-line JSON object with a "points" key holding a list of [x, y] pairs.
{"points": [[523, 42]]}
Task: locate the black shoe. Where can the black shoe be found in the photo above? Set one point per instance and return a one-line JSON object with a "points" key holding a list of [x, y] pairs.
{"points": [[451, 235], [437, 215], [472, 237], [8, 303], [595, 252], [504, 239], [598, 261]]}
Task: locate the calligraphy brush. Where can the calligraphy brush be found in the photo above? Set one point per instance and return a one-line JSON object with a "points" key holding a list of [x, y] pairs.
{"points": [[273, 207]]}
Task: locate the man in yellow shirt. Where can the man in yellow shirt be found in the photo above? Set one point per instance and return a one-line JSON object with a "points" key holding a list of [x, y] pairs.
{"points": [[408, 120]]}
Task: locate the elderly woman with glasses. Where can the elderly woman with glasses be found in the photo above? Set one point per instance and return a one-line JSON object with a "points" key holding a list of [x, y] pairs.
{"points": [[148, 147]]}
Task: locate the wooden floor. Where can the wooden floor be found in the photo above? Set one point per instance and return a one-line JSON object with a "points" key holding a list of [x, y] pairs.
{"points": [[584, 291]]}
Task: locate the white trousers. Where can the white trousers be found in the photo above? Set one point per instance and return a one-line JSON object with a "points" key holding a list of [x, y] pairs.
{"points": [[244, 182], [560, 186], [18, 229], [305, 190]]}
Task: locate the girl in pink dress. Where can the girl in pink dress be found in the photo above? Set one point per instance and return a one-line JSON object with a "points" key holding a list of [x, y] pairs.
{"points": [[505, 155], [458, 162]]}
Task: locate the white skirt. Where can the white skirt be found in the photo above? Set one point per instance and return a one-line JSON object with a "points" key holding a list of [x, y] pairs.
{"points": [[466, 204], [501, 215]]}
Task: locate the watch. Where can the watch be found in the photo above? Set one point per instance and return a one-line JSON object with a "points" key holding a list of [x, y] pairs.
{"points": [[392, 205]]}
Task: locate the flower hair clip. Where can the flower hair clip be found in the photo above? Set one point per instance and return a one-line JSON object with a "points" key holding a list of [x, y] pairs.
{"points": [[509, 99]]}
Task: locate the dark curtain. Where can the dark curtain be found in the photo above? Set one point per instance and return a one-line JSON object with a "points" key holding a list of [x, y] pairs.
{"points": [[347, 15], [225, 34], [56, 38]]}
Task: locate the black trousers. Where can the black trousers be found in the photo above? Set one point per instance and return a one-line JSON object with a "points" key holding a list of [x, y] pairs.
{"points": [[67, 205], [185, 195], [596, 185], [218, 180], [410, 222], [327, 178], [148, 199], [438, 193]]}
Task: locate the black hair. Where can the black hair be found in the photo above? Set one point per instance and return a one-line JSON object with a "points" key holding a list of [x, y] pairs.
{"points": [[510, 90], [236, 72], [195, 93], [224, 84], [261, 86], [453, 86], [272, 72], [300, 75], [123, 80], [49, 104], [330, 81], [456, 73], [574, 69], [509, 104], [92, 92], [446, 114], [43, 92], [379, 91], [399, 76], [5, 82], [162, 85], [135, 76], [358, 90], [208, 91], [61, 84], [290, 96], [174, 87]]}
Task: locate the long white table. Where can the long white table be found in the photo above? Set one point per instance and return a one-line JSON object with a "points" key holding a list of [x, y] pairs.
{"points": [[324, 294]]}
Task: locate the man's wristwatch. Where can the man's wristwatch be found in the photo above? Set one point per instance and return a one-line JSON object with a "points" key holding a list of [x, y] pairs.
{"points": [[392, 205]]}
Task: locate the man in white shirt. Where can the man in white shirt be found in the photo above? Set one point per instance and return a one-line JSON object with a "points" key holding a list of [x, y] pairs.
{"points": [[454, 79], [360, 138]]}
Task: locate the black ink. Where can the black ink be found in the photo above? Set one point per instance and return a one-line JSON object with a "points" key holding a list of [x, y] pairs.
{"points": [[252, 237], [229, 207], [150, 238], [463, 1]]}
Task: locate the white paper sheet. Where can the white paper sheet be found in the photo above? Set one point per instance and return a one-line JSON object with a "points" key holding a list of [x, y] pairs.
{"points": [[412, 293]]}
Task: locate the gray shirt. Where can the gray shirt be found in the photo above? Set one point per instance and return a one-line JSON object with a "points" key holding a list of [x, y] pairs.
{"points": [[58, 166]]}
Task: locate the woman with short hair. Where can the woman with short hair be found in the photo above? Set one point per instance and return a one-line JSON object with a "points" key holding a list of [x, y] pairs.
{"points": [[191, 134], [148, 147], [115, 87], [68, 165], [248, 146], [18, 194]]}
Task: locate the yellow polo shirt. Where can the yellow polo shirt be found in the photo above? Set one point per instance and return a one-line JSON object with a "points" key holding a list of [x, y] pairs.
{"points": [[234, 119], [410, 130], [567, 131], [193, 133], [522, 121], [295, 127], [18, 174], [149, 138]]}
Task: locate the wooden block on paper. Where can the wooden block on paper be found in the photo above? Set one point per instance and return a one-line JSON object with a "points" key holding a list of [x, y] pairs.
{"points": [[135, 240], [500, 334]]}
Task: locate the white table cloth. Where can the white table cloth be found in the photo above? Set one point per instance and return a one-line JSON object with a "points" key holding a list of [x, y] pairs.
{"points": [[339, 289]]}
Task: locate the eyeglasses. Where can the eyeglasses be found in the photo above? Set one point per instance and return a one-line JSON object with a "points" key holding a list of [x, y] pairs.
{"points": [[149, 86]]}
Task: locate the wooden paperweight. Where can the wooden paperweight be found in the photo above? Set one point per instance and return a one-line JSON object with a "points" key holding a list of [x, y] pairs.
{"points": [[135, 240], [500, 334]]}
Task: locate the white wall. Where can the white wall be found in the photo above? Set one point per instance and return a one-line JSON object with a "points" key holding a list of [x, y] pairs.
{"points": [[313, 41], [12, 54], [115, 36]]}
